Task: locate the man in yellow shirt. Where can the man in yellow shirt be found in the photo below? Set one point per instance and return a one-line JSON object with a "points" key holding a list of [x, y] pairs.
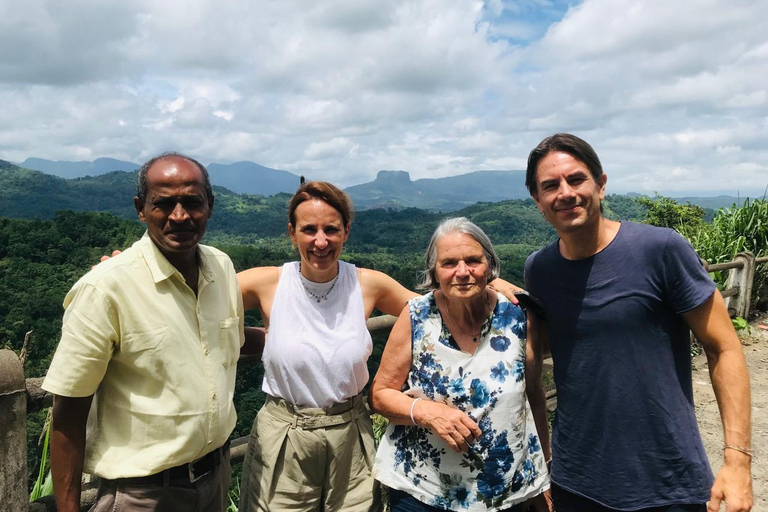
{"points": [[144, 374]]}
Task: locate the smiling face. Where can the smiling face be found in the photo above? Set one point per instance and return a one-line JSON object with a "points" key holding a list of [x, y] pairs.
{"points": [[461, 267], [319, 235], [567, 193], [176, 209]]}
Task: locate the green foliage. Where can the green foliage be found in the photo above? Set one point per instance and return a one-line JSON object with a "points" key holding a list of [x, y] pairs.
{"points": [[619, 207], [234, 496], [380, 424], [734, 230], [44, 484], [665, 212], [740, 324], [31, 194], [39, 262]]}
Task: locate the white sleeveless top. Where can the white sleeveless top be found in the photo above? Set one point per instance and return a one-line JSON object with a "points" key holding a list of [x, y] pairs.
{"points": [[316, 353]]}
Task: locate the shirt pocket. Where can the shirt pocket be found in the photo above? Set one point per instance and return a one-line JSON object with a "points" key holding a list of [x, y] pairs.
{"points": [[229, 341]]}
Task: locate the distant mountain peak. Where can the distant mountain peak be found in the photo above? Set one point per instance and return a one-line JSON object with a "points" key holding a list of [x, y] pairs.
{"points": [[394, 189], [394, 176], [69, 170]]}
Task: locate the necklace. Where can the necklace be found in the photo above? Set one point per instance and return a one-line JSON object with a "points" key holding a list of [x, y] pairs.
{"points": [[473, 335], [314, 295]]}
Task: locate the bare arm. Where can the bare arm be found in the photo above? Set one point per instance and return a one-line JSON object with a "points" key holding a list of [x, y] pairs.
{"points": [[728, 370], [452, 425], [258, 287], [382, 292], [68, 449]]}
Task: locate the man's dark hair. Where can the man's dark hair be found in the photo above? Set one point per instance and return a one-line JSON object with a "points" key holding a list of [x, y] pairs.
{"points": [[562, 143], [141, 184]]}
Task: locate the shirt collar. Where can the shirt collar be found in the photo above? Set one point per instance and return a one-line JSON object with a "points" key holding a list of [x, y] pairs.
{"points": [[162, 269]]}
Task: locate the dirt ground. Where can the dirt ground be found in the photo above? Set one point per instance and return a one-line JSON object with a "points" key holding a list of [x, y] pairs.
{"points": [[756, 350]]}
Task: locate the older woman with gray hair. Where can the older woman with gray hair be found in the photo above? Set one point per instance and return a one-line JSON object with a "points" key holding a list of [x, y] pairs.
{"points": [[457, 382]]}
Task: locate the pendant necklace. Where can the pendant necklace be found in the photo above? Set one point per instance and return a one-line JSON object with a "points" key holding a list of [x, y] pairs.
{"points": [[473, 335], [318, 297]]}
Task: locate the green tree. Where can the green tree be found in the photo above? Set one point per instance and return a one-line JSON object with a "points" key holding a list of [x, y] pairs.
{"points": [[666, 212]]}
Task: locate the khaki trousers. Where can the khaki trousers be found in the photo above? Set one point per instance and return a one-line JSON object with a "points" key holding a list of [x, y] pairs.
{"points": [[209, 494], [310, 459]]}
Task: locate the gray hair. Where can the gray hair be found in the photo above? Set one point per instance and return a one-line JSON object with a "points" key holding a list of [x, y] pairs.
{"points": [[141, 182], [447, 227]]}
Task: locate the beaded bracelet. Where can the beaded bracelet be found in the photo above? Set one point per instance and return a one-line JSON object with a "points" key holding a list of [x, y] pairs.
{"points": [[745, 451], [412, 405]]}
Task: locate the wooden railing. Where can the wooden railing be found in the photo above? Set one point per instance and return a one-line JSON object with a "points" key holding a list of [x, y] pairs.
{"points": [[741, 279], [20, 396]]}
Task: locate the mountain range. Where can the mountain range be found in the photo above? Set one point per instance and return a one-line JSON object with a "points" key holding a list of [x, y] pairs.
{"points": [[394, 189], [390, 189], [69, 170]]}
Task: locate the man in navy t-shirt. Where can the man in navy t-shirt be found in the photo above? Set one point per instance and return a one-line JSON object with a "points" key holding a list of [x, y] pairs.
{"points": [[620, 299]]}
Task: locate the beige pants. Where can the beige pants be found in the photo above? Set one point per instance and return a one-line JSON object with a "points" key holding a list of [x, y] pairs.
{"points": [[310, 459], [209, 494]]}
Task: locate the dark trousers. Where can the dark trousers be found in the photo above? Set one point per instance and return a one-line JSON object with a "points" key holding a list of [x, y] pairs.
{"points": [[400, 501], [209, 494], [566, 501]]}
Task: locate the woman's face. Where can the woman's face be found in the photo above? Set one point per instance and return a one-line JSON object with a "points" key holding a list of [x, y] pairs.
{"points": [[319, 235], [462, 269]]}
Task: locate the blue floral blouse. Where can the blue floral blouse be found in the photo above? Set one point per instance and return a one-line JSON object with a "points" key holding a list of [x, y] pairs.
{"points": [[505, 466]]}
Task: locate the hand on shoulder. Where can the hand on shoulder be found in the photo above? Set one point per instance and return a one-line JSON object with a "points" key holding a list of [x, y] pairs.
{"points": [[105, 257]]}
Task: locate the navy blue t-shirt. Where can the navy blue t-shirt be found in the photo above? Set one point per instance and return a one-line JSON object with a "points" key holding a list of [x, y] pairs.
{"points": [[625, 433]]}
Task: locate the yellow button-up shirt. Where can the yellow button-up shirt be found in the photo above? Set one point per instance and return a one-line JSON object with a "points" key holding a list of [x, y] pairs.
{"points": [[160, 360]]}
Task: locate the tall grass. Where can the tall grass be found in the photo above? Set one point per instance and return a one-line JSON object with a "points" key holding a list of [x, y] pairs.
{"points": [[734, 230], [44, 483], [234, 498]]}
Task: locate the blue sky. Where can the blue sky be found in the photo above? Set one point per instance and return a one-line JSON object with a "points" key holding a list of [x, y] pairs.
{"points": [[525, 21], [672, 95]]}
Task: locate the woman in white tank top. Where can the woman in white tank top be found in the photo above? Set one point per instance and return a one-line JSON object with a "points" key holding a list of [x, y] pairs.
{"points": [[311, 446]]}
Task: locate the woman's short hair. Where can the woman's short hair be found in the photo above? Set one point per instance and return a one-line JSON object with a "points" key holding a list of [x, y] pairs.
{"points": [[450, 226], [327, 193]]}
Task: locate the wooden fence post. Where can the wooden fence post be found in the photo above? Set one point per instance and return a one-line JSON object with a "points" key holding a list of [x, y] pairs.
{"points": [[742, 278], [13, 434]]}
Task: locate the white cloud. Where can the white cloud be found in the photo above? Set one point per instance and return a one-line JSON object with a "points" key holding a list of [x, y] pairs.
{"points": [[334, 148], [671, 94], [727, 150]]}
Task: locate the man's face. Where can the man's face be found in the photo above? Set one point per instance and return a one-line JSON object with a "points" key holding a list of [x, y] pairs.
{"points": [[176, 210], [566, 193]]}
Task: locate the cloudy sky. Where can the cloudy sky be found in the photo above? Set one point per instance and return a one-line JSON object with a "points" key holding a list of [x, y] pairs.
{"points": [[673, 94]]}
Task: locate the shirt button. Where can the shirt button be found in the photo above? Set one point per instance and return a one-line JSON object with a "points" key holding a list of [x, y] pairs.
{"points": [[213, 396], [205, 351]]}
